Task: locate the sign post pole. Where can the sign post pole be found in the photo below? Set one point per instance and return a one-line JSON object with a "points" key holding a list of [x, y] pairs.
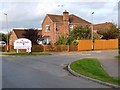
{"points": [[17, 50]]}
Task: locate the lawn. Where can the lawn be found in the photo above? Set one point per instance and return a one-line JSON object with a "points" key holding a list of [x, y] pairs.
{"points": [[25, 54], [118, 57], [91, 67]]}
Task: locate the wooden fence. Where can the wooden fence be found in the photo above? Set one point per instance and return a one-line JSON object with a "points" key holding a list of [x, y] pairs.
{"points": [[35, 48], [60, 48], [106, 44], [98, 44], [83, 45]]}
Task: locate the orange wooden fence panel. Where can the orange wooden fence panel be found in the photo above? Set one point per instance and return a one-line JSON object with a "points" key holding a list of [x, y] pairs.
{"points": [[106, 44], [84, 45], [98, 44]]}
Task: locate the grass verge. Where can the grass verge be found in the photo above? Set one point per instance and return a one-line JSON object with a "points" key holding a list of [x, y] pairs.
{"points": [[25, 54], [118, 57], [91, 67]]}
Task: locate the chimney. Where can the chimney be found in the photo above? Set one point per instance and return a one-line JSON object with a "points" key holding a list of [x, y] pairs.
{"points": [[65, 16]]}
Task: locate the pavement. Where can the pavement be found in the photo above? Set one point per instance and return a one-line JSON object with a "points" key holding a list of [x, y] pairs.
{"points": [[50, 72]]}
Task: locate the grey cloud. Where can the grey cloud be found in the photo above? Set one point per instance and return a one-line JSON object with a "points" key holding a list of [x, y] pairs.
{"points": [[91, 5]]}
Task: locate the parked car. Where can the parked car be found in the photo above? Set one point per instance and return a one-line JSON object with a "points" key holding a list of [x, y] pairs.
{"points": [[2, 43]]}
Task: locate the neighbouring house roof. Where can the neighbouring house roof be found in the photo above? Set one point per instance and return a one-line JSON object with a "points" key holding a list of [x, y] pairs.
{"points": [[20, 32], [102, 25], [56, 18], [72, 18], [76, 19]]}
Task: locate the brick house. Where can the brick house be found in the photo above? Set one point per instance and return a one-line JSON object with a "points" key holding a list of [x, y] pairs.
{"points": [[54, 26], [102, 26], [99, 26], [19, 33]]}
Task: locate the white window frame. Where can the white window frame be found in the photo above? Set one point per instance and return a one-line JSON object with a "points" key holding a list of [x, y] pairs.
{"points": [[70, 27], [47, 28], [10, 42]]}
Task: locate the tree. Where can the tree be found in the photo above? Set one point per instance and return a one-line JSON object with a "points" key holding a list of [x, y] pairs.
{"points": [[109, 33], [81, 32], [3, 37], [32, 34]]}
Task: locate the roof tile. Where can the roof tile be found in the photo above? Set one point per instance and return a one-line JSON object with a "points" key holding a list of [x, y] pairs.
{"points": [[72, 18], [20, 32]]}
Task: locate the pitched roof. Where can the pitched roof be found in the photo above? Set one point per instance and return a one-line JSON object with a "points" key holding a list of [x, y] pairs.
{"points": [[56, 18], [76, 19], [20, 32], [72, 18], [102, 25]]}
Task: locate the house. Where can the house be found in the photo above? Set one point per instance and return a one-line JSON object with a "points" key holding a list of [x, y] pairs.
{"points": [[20, 33], [54, 26], [102, 26]]}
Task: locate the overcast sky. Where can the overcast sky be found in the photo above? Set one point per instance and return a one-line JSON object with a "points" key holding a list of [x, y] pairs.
{"points": [[30, 13]]}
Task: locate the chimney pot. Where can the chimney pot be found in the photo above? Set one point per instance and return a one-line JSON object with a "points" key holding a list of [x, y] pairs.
{"points": [[65, 16]]}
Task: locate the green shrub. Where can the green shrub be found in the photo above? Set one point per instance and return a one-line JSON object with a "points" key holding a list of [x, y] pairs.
{"points": [[75, 42]]}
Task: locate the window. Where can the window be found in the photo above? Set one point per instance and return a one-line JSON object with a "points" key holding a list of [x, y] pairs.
{"points": [[46, 40], [47, 27], [71, 27], [10, 42]]}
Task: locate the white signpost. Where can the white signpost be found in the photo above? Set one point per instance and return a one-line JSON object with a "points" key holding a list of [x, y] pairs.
{"points": [[23, 43]]}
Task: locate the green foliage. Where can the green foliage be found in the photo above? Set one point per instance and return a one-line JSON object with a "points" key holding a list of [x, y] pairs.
{"points": [[62, 40], [118, 57], [91, 67], [81, 32], [109, 33], [3, 37], [75, 42], [32, 34]]}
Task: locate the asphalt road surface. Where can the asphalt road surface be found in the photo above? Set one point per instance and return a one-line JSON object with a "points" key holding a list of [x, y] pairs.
{"points": [[46, 71]]}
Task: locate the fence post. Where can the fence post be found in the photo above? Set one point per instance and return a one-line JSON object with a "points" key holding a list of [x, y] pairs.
{"points": [[68, 48], [44, 48]]}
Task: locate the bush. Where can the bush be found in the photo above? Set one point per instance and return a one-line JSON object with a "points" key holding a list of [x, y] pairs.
{"points": [[75, 42], [62, 40]]}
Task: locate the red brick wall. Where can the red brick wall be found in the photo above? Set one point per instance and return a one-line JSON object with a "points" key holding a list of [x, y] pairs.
{"points": [[13, 37], [48, 21], [62, 29], [54, 34]]}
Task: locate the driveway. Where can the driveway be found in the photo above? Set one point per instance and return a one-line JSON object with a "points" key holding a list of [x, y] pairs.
{"points": [[45, 71]]}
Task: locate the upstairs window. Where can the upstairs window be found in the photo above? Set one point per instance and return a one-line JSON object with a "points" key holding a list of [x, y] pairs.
{"points": [[71, 27], [47, 28]]}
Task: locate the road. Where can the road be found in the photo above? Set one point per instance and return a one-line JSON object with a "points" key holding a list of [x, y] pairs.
{"points": [[46, 71]]}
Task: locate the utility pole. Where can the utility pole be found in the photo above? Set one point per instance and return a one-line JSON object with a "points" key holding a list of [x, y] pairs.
{"points": [[92, 37], [7, 28]]}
